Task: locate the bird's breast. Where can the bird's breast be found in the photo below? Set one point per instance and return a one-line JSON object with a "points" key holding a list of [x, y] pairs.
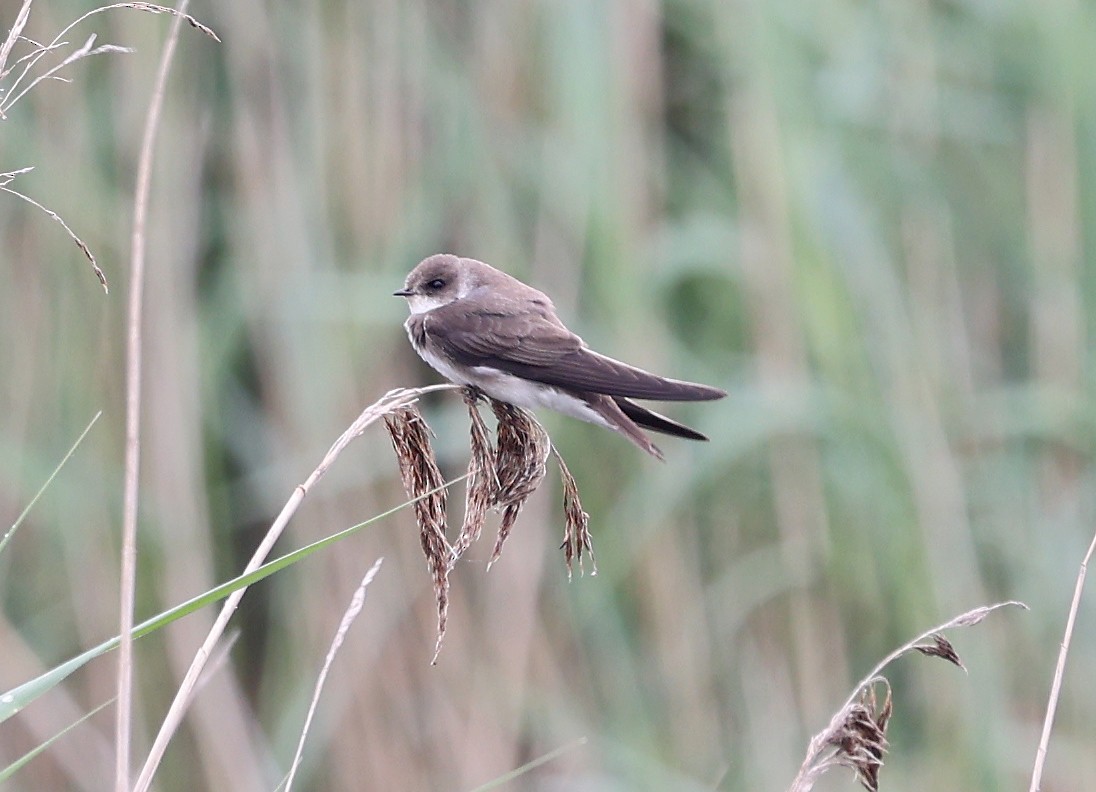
{"points": [[416, 331], [428, 351]]}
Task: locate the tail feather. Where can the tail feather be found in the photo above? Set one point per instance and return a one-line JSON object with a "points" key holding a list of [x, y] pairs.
{"points": [[614, 415], [649, 419]]}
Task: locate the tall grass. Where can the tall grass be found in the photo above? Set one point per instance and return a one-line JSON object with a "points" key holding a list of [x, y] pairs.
{"points": [[869, 223]]}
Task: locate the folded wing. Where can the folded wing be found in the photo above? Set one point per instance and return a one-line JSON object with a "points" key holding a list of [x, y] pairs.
{"points": [[534, 345]]}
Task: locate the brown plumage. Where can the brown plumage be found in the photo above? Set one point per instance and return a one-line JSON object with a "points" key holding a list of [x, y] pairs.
{"points": [[479, 326]]}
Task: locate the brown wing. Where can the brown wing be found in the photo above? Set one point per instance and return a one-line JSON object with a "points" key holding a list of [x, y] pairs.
{"points": [[534, 345]]}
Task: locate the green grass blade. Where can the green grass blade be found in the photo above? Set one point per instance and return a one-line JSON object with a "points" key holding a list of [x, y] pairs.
{"points": [[14, 767], [18, 697], [23, 515]]}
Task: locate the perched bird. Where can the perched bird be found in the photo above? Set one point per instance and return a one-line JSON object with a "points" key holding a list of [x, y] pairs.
{"points": [[478, 326]]}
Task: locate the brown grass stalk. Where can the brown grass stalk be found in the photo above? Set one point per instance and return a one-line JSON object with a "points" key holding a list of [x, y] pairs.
{"points": [[14, 92], [133, 412], [14, 33], [1059, 672], [856, 735], [391, 401], [502, 476], [352, 611], [95, 268]]}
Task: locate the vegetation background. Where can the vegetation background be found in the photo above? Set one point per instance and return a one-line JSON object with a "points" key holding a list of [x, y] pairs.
{"points": [[870, 222]]}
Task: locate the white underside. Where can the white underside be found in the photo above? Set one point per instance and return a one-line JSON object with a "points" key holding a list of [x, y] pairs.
{"points": [[514, 390]]}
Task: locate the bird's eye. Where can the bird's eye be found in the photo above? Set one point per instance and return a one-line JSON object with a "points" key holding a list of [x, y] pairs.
{"points": [[435, 284]]}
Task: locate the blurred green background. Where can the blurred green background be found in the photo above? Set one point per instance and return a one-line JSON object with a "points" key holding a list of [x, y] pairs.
{"points": [[867, 221]]}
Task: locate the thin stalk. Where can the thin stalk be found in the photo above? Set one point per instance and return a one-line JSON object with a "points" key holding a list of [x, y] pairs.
{"points": [[133, 411]]}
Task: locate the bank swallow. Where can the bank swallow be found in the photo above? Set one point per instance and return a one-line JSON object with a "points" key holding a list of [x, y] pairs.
{"points": [[478, 326]]}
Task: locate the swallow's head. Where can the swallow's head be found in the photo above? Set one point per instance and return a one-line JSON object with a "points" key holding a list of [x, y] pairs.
{"points": [[444, 278], [436, 281]]}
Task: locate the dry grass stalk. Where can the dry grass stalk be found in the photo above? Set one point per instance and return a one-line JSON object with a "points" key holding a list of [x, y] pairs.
{"points": [[576, 532], [1059, 671], [391, 401], [14, 34], [6, 179], [134, 354], [25, 81], [352, 611], [483, 482], [856, 735], [520, 464], [420, 473], [503, 476], [13, 93], [861, 740], [152, 8]]}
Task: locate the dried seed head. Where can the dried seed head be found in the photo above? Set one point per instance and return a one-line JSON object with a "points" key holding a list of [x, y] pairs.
{"points": [[861, 737], [482, 484], [503, 476], [858, 730], [941, 647], [419, 471], [509, 517], [576, 532], [522, 448]]}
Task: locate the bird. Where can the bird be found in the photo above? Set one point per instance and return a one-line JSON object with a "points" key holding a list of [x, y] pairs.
{"points": [[478, 326]]}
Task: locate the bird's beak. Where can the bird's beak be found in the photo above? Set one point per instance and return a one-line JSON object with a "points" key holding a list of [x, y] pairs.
{"points": [[402, 293]]}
